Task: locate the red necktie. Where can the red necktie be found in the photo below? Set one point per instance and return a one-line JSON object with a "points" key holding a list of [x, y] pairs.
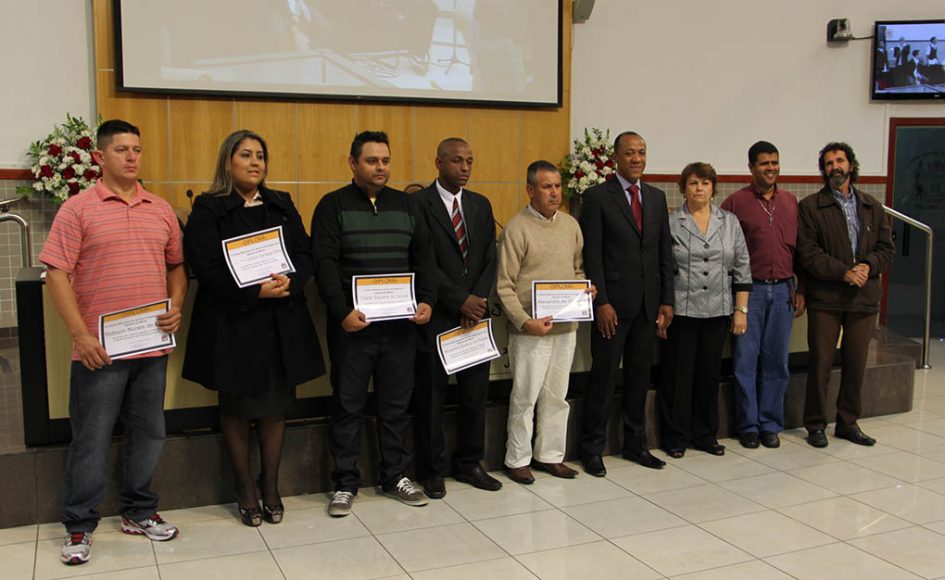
{"points": [[460, 229], [635, 205]]}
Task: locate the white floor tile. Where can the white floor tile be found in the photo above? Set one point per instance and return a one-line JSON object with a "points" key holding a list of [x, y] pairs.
{"points": [[596, 560], [704, 503], [148, 573], [641, 480], [475, 504], [904, 466], [182, 517], [681, 550], [936, 485], [789, 455], [209, 539], [905, 437], [844, 518], [583, 489], [503, 568], [624, 517], [754, 570], [909, 502], [256, 565], [19, 535], [18, 558], [777, 490], [383, 517], [439, 547], [716, 469], [352, 559], [916, 549], [523, 533], [111, 551], [844, 477], [767, 533], [311, 526], [837, 561]]}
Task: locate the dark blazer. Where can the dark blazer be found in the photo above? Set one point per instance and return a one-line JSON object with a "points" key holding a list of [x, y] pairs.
{"points": [[454, 282], [229, 345], [628, 269], [825, 253]]}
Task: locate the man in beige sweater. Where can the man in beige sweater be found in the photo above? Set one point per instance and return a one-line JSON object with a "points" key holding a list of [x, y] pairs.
{"points": [[539, 243]]}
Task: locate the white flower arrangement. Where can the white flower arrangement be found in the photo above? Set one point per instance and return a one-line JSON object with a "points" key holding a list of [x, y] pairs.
{"points": [[591, 162], [62, 163]]}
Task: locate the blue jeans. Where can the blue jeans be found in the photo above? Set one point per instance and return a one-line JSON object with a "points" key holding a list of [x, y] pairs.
{"points": [[760, 359], [130, 389]]}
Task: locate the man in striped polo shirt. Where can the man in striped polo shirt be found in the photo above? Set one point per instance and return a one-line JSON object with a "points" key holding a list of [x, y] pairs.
{"points": [[369, 228], [112, 247]]}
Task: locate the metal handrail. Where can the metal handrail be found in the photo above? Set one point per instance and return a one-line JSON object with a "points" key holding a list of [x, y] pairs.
{"points": [[26, 240], [927, 331]]}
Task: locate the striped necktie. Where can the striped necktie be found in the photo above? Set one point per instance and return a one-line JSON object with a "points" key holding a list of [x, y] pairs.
{"points": [[460, 229]]}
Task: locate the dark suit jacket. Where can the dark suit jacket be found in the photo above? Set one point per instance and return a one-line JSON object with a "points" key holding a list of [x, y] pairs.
{"points": [[630, 271], [229, 344], [454, 282], [825, 253]]}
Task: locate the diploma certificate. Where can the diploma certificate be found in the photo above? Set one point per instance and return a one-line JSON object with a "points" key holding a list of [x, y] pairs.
{"points": [[252, 258], [134, 331], [384, 296], [461, 348], [563, 300]]}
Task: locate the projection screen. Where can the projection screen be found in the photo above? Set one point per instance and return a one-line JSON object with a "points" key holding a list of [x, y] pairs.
{"points": [[474, 51]]}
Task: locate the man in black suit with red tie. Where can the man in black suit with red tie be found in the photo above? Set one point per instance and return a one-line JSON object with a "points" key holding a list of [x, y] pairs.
{"points": [[628, 256], [462, 230]]}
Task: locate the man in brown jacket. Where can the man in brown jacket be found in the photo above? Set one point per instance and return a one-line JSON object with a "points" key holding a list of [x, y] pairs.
{"points": [[843, 244]]}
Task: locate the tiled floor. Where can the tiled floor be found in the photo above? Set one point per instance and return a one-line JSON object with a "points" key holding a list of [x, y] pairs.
{"points": [[793, 512]]}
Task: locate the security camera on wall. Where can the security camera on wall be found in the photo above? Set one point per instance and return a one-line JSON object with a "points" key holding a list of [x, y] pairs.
{"points": [[838, 30]]}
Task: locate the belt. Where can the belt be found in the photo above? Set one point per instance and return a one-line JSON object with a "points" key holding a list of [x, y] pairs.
{"points": [[770, 281]]}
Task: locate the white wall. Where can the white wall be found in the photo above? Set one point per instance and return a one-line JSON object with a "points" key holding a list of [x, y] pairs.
{"points": [[47, 70], [704, 80]]}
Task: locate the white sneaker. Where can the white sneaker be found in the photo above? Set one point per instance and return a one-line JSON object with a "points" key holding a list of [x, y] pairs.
{"points": [[154, 527], [340, 504], [407, 493], [76, 549]]}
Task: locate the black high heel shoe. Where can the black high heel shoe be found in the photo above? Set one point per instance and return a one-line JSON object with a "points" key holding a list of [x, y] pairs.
{"points": [[272, 513], [251, 517]]}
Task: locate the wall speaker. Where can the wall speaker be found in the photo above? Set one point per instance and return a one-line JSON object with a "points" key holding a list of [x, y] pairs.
{"points": [[581, 10]]}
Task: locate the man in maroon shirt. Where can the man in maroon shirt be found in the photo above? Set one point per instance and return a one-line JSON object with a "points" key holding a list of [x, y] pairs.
{"points": [[768, 216]]}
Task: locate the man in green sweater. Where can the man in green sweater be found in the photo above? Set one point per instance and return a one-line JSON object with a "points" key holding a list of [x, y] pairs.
{"points": [[539, 243]]}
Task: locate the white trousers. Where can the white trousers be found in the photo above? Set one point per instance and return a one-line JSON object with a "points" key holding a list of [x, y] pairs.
{"points": [[541, 366]]}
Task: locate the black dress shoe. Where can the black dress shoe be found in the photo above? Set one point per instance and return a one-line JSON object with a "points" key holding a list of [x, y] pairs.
{"points": [[644, 458], [477, 477], [770, 439], [749, 440], [594, 465], [817, 438], [434, 487], [854, 435]]}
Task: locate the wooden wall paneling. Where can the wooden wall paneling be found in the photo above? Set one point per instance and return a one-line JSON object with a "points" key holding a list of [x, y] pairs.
{"points": [[198, 127], [148, 114], [309, 196], [430, 126], [277, 123], [102, 33], [544, 136], [177, 192], [495, 136], [397, 121], [290, 187], [325, 134], [507, 198]]}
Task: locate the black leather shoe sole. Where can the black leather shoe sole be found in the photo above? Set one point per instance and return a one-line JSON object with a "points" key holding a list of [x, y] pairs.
{"points": [[817, 438], [434, 489], [646, 459], [749, 440], [594, 466], [482, 481], [770, 439], [856, 436]]}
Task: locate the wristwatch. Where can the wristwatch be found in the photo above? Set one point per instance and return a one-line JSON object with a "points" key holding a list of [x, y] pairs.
{"points": [[742, 309]]}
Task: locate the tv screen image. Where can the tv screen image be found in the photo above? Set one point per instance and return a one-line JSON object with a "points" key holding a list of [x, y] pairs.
{"points": [[909, 60]]}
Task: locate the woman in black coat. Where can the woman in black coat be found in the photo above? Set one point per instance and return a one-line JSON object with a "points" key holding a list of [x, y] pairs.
{"points": [[253, 345]]}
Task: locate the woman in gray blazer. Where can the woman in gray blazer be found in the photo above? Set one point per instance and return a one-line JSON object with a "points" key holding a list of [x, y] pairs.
{"points": [[712, 280]]}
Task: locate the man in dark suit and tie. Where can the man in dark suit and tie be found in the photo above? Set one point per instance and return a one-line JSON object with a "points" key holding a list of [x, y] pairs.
{"points": [[463, 235], [629, 258]]}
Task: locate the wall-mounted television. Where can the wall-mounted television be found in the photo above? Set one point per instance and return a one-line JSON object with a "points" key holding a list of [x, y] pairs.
{"points": [[496, 52], [909, 60]]}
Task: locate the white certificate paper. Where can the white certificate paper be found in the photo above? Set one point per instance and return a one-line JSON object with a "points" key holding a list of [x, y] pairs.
{"points": [[132, 331], [252, 258], [563, 300], [384, 296], [461, 348]]}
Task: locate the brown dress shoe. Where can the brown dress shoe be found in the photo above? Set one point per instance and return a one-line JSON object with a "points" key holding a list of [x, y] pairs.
{"points": [[520, 475], [556, 469]]}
